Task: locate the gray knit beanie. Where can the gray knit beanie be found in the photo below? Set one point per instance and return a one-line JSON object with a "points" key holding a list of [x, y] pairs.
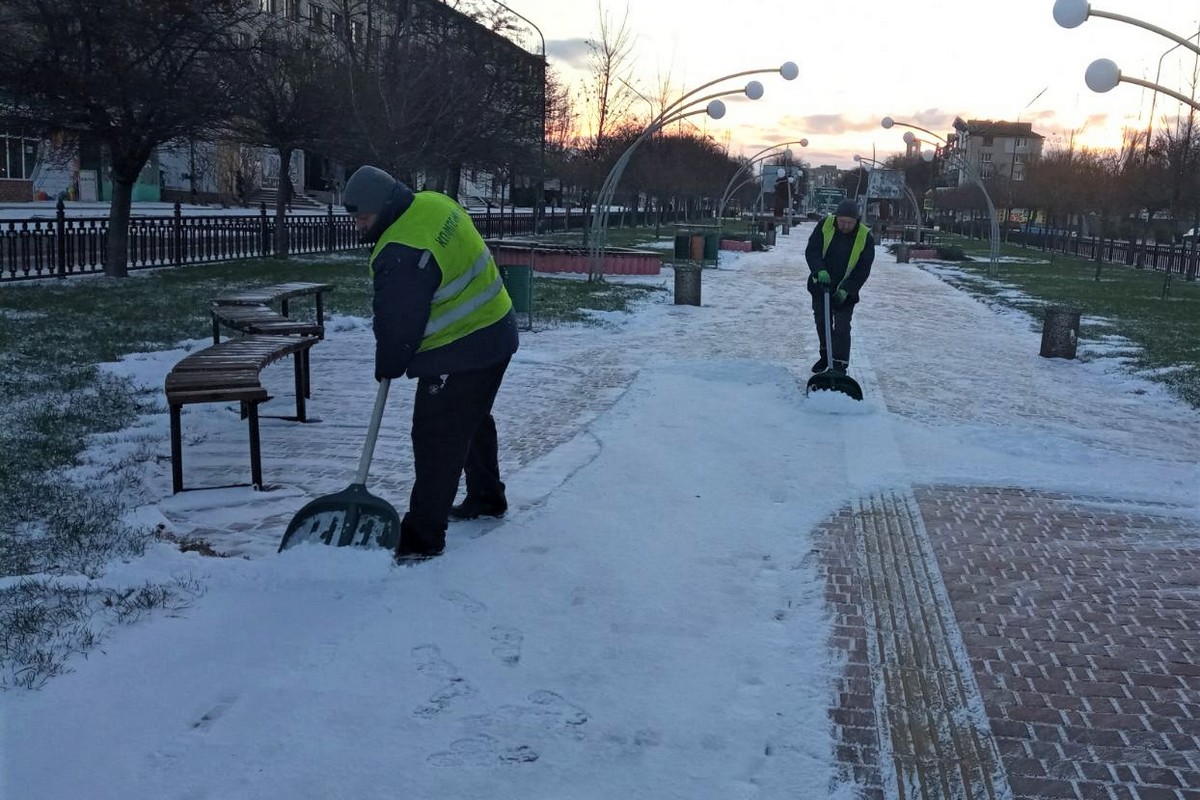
{"points": [[846, 208], [368, 190]]}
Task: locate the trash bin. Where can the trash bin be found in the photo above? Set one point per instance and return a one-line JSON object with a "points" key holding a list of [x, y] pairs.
{"points": [[687, 284], [712, 246], [1060, 332], [902, 253], [518, 281], [683, 243]]}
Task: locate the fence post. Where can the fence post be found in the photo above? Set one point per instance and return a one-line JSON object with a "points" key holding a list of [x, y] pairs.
{"points": [[60, 214], [329, 226], [177, 235], [265, 245]]}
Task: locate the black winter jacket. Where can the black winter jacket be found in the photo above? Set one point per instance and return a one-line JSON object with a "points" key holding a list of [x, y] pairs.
{"points": [[835, 261]]}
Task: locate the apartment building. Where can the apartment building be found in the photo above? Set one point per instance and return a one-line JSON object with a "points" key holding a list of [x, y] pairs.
{"points": [[995, 150]]}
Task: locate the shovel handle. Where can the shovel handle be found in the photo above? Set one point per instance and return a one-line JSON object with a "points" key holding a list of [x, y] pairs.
{"points": [[364, 463], [828, 331]]}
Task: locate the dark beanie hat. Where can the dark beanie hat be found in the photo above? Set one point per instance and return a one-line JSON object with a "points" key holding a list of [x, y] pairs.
{"points": [[368, 190], [847, 208]]}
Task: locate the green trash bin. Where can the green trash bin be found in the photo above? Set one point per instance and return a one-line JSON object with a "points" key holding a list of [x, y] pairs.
{"points": [[518, 281], [712, 246]]}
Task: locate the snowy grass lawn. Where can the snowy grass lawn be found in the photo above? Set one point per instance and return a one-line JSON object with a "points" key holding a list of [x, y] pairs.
{"points": [[1125, 302]]}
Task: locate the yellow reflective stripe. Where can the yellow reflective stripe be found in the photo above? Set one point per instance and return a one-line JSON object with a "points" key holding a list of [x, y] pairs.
{"points": [[458, 284], [458, 312]]}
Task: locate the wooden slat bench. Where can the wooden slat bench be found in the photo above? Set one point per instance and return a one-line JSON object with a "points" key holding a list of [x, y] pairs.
{"points": [[281, 293], [226, 372]]}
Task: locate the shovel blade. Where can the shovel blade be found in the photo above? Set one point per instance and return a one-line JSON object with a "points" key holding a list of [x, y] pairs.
{"points": [[352, 516], [834, 381]]}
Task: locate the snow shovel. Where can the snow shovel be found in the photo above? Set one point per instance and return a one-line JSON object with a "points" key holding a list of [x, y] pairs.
{"points": [[353, 515], [832, 379]]}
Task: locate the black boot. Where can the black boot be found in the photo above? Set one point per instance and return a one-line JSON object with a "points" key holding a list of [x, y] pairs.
{"points": [[471, 508], [418, 545], [841, 366], [821, 364]]}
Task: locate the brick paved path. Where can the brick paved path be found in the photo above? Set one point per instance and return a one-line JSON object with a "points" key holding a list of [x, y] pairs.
{"points": [[1081, 624]]}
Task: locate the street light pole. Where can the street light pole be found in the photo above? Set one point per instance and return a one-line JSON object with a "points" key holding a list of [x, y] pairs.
{"points": [[1103, 75], [965, 166], [539, 208], [672, 113], [754, 159]]}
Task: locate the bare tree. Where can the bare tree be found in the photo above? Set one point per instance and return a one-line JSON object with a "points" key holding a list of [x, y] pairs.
{"points": [[610, 91], [286, 102], [430, 91], [130, 74]]}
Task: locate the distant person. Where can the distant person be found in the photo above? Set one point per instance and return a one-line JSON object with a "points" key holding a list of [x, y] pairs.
{"points": [[442, 316], [839, 254], [240, 186]]}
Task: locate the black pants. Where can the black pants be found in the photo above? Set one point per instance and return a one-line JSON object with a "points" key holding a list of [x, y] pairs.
{"points": [[839, 319], [452, 430]]}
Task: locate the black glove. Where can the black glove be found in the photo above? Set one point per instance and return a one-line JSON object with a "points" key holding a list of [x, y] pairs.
{"points": [[840, 297]]}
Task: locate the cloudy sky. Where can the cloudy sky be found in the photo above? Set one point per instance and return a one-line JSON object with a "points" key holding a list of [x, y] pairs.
{"points": [[923, 61]]}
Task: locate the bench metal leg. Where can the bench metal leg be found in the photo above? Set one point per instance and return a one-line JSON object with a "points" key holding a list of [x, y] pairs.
{"points": [[216, 328], [176, 452], [321, 315], [255, 448], [301, 387], [307, 373]]}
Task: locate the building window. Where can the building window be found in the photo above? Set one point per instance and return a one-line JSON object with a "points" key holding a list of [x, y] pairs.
{"points": [[356, 31], [987, 141], [1022, 142], [267, 6], [243, 40], [1018, 175], [1019, 158], [315, 13], [335, 23], [293, 9], [985, 158], [986, 172], [18, 156]]}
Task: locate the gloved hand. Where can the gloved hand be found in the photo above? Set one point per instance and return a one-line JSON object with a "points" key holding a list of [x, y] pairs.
{"points": [[822, 277], [841, 296]]}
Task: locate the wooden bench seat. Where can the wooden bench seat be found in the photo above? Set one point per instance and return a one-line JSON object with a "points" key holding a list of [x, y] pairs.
{"points": [[281, 293], [226, 372], [260, 320]]}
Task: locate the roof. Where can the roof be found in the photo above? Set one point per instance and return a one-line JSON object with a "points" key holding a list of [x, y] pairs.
{"points": [[987, 127]]}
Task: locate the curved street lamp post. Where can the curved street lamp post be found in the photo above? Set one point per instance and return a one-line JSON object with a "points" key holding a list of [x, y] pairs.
{"points": [[754, 159], [1103, 75], [912, 198], [965, 166], [675, 112]]}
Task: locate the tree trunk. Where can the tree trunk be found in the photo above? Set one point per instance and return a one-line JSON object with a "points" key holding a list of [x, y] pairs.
{"points": [[283, 198], [116, 264]]}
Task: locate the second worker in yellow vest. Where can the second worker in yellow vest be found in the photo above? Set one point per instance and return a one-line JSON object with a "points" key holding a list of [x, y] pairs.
{"points": [[840, 253], [443, 317]]}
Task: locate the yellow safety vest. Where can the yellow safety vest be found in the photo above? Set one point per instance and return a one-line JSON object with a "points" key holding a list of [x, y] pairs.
{"points": [[471, 295], [828, 227]]}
